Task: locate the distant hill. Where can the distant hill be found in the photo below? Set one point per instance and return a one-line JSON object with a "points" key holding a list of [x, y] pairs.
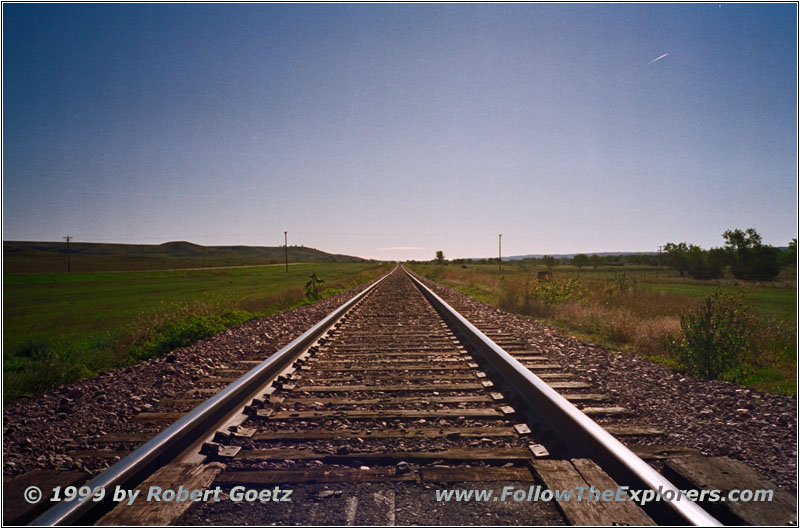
{"points": [[27, 256], [571, 255], [601, 254], [557, 255]]}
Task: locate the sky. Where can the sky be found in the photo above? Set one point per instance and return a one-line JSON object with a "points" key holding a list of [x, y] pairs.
{"points": [[393, 131]]}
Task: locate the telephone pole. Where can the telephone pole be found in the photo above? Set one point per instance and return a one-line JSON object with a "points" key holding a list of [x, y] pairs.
{"points": [[68, 238], [286, 249], [500, 253]]}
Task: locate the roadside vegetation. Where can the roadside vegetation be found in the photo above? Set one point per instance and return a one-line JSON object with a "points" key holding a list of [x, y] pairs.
{"points": [[62, 327], [728, 327]]}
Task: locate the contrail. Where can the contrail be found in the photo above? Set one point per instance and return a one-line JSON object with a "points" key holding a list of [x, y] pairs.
{"points": [[658, 58]]}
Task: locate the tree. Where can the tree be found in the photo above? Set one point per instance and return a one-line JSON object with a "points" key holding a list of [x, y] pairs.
{"points": [[439, 257], [549, 261], [595, 260], [749, 258], [741, 240], [580, 260], [677, 256], [703, 264], [790, 257]]}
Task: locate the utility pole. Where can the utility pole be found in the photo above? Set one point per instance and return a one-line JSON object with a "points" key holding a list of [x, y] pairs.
{"points": [[286, 249], [500, 253], [68, 238]]}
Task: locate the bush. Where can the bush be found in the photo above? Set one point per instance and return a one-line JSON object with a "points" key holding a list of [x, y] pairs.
{"points": [[714, 338]]}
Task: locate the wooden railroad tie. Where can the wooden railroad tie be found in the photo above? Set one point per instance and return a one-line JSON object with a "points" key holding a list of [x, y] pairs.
{"points": [[469, 413], [374, 475], [455, 455], [726, 474], [569, 475]]}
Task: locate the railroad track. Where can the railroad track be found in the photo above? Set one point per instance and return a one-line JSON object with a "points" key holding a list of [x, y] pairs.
{"points": [[392, 395]]}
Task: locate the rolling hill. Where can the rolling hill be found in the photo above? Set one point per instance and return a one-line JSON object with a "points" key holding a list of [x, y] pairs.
{"points": [[31, 256]]}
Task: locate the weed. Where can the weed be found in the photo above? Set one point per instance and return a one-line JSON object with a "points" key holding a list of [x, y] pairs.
{"points": [[714, 338], [312, 287]]}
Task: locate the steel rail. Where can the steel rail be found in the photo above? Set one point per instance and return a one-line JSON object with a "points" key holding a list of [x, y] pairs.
{"points": [[579, 431], [169, 443]]}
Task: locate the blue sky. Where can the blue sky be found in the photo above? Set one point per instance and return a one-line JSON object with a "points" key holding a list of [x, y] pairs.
{"points": [[393, 131]]}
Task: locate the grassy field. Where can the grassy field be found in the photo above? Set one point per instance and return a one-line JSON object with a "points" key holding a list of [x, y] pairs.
{"points": [[637, 309], [59, 327]]}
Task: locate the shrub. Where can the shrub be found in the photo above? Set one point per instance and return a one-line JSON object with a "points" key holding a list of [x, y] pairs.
{"points": [[312, 288], [714, 338]]}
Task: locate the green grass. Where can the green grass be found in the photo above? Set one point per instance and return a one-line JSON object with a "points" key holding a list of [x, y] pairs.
{"points": [[637, 309], [60, 327], [775, 301]]}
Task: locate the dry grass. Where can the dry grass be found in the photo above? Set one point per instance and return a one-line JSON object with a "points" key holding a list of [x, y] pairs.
{"points": [[276, 302], [620, 325], [629, 313], [616, 309], [643, 303]]}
